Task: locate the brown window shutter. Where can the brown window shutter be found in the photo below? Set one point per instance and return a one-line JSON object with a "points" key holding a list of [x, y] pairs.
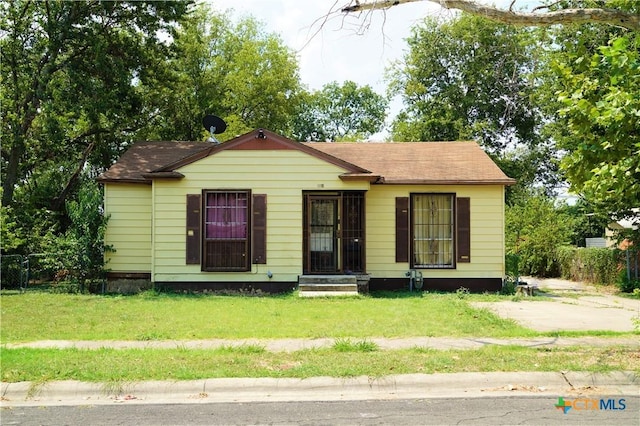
{"points": [[193, 229], [402, 229], [463, 230], [259, 229]]}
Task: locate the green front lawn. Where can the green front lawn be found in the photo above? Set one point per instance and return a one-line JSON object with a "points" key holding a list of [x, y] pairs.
{"points": [[130, 365], [350, 321], [151, 316]]}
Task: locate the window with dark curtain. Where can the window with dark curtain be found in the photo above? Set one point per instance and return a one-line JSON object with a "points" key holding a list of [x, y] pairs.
{"points": [[226, 223]]}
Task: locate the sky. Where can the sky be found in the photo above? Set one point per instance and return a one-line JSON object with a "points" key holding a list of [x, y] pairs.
{"points": [[338, 47]]}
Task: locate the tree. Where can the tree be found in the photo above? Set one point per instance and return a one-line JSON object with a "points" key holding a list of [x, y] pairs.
{"points": [[610, 14], [471, 78], [601, 114], [587, 224], [85, 237], [340, 112], [534, 229], [67, 91], [234, 70]]}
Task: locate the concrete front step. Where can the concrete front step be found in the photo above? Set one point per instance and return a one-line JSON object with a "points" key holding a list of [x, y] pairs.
{"points": [[327, 279], [327, 293], [327, 285]]}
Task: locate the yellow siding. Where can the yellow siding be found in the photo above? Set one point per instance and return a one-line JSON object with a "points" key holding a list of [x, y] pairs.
{"points": [[129, 227], [487, 231], [281, 175]]}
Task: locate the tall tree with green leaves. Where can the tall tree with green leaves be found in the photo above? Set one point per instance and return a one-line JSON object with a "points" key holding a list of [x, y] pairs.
{"points": [[472, 78], [69, 73], [235, 70], [534, 229], [590, 93], [339, 112], [600, 97], [466, 78]]}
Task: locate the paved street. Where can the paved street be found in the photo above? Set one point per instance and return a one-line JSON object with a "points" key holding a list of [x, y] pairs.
{"points": [[510, 410]]}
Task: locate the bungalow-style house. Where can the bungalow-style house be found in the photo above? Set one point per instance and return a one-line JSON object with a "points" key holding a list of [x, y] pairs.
{"points": [[261, 211]]}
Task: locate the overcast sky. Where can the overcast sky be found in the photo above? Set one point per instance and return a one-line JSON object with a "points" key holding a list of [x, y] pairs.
{"points": [[338, 47]]}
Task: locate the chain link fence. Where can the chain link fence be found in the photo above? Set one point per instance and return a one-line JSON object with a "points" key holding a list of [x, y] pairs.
{"points": [[14, 272], [36, 269]]}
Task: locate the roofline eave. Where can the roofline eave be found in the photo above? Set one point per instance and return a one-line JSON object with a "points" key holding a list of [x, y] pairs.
{"points": [[506, 182], [367, 177], [163, 175], [128, 180]]}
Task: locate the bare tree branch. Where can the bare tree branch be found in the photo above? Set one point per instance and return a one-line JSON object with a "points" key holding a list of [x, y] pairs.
{"points": [[613, 17], [545, 6]]}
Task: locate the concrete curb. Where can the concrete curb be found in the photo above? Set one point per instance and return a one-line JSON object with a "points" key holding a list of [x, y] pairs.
{"points": [[408, 386]]}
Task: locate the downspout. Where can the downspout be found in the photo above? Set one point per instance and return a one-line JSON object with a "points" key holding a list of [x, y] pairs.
{"points": [[153, 233], [503, 249]]}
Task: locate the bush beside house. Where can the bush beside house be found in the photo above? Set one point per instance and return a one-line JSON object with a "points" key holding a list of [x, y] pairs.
{"points": [[591, 265]]}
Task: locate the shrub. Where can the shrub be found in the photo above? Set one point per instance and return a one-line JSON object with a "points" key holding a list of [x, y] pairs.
{"points": [[629, 285], [592, 265], [566, 256], [534, 228], [512, 273], [508, 288]]}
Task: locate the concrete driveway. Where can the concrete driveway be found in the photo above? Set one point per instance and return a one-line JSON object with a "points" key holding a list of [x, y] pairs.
{"points": [[569, 306]]}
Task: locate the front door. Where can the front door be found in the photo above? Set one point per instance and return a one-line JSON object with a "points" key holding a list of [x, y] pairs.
{"points": [[323, 234], [334, 233]]}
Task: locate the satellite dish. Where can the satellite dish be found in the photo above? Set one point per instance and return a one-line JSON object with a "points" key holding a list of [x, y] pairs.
{"points": [[215, 122], [214, 125]]}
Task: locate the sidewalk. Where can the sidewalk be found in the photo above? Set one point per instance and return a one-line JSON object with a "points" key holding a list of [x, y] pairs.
{"points": [[292, 345]]}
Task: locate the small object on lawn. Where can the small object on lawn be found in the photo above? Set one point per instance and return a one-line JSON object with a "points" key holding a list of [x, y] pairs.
{"points": [[525, 290]]}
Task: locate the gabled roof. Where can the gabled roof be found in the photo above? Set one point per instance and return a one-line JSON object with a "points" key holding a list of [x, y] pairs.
{"points": [[145, 157], [149, 160], [392, 163]]}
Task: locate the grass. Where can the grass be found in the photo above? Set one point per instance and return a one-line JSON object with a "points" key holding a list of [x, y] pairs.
{"points": [[157, 316], [348, 345], [352, 322], [125, 366]]}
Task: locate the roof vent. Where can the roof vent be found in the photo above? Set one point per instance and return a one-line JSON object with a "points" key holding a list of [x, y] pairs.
{"points": [[214, 125]]}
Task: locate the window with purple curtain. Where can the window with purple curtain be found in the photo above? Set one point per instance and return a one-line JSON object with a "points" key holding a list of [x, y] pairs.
{"points": [[226, 239], [226, 216]]}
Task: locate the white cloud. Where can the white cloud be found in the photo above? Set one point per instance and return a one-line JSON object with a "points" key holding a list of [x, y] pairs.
{"points": [[339, 48]]}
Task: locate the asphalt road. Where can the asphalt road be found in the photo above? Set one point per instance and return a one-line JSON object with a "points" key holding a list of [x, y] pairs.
{"points": [[477, 411]]}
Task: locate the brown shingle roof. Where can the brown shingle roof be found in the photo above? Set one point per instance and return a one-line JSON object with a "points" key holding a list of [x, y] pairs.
{"points": [[420, 162], [145, 157], [394, 163]]}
